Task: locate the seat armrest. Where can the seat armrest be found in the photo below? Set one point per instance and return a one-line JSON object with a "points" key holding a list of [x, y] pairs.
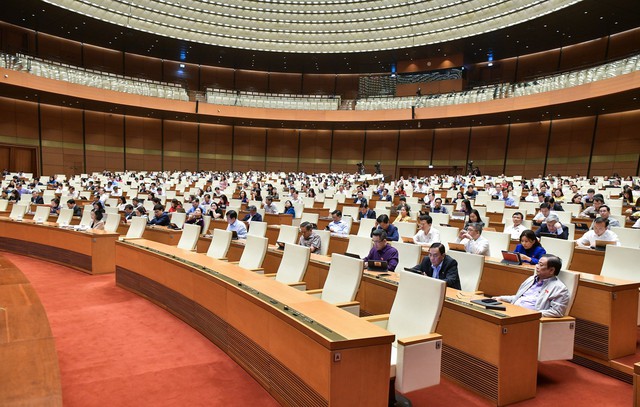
{"points": [[258, 270], [380, 320], [300, 285], [352, 307], [413, 340], [347, 304], [270, 275], [316, 293], [544, 320]]}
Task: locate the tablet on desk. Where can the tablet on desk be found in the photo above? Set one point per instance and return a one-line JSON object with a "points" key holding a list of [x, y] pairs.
{"points": [[355, 256], [490, 303], [458, 215], [581, 226], [377, 265], [234, 235], [551, 235], [602, 244], [280, 245], [457, 246], [511, 258]]}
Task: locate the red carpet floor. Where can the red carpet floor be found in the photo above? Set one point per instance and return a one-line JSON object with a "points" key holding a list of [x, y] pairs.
{"points": [[117, 349]]}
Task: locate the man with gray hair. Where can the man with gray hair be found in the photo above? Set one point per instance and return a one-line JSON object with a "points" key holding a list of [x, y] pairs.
{"points": [[253, 215], [473, 240], [269, 206], [553, 227]]}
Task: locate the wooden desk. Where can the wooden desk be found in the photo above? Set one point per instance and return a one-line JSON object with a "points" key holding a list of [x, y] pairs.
{"points": [[459, 223], [160, 234], [91, 251], [29, 368], [605, 308], [302, 350], [587, 260], [494, 353]]}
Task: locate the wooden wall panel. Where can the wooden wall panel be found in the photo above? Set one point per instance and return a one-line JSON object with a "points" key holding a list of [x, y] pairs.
{"points": [[586, 53], [319, 84], [102, 59], [213, 77], [381, 146], [450, 147], [503, 70], [282, 149], [285, 82], [143, 144], [59, 49], [487, 149], [415, 148], [617, 144], [180, 145], [527, 148], [538, 64], [215, 147], [570, 146], [18, 122], [249, 148], [315, 150], [623, 44], [62, 148], [254, 81], [104, 141], [14, 39], [347, 86], [142, 67], [187, 76], [348, 150]]}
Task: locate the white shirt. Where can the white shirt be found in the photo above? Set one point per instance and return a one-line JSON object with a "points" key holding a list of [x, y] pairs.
{"points": [[340, 228], [589, 238], [427, 239], [479, 246], [515, 231]]}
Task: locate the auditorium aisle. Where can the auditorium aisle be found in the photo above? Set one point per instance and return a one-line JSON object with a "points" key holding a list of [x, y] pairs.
{"points": [[116, 348]]}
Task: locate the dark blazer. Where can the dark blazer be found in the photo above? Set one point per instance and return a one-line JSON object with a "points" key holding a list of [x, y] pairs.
{"points": [[545, 229], [257, 217], [77, 211], [448, 271], [38, 200], [368, 215]]}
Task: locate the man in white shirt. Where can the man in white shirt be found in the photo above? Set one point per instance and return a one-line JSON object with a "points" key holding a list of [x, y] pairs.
{"points": [[426, 235], [599, 232], [338, 227], [269, 206], [605, 213], [473, 240], [542, 214], [516, 229]]}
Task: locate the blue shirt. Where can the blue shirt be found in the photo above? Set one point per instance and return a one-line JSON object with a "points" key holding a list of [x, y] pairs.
{"points": [[291, 212], [392, 233], [535, 253], [239, 228], [508, 201], [162, 220]]}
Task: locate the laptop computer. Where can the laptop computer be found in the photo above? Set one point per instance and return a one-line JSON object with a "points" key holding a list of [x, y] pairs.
{"points": [[551, 235], [355, 256], [511, 258], [377, 265], [457, 246], [581, 226], [601, 245]]}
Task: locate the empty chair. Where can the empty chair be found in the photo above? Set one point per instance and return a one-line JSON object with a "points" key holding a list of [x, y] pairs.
{"points": [[628, 237], [310, 217], [622, 263], [470, 267], [178, 218], [4, 204], [448, 234], [85, 220], [416, 354], [207, 223], [439, 219], [498, 242], [293, 266], [288, 234], [112, 222], [330, 203], [408, 254], [136, 228], [559, 247], [253, 254], [350, 211], [342, 283], [495, 206], [42, 214], [189, 237], [359, 245], [406, 229], [110, 210], [19, 210], [65, 216], [325, 241], [557, 334], [220, 243], [365, 227], [257, 228]]}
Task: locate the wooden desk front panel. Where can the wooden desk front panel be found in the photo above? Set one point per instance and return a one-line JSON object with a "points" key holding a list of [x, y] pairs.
{"points": [[587, 261]]}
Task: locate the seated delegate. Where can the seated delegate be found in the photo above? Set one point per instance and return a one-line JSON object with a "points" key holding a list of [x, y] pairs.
{"points": [[599, 232], [382, 251], [529, 248], [440, 266], [543, 291]]}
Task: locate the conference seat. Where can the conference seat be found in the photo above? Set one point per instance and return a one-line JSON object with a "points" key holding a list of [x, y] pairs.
{"points": [[507, 215], [330, 203], [342, 283], [189, 237], [559, 247], [255, 249], [628, 237], [310, 217], [408, 254], [257, 228], [496, 206], [136, 228], [448, 234], [207, 223], [178, 218], [406, 229], [109, 210], [112, 222], [220, 242], [557, 335], [19, 210], [498, 241], [42, 214], [85, 220], [416, 354], [366, 225], [440, 219], [293, 266], [470, 268], [564, 216], [351, 211], [622, 263], [325, 241], [288, 234], [65, 216], [359, 245], [4, 204]]}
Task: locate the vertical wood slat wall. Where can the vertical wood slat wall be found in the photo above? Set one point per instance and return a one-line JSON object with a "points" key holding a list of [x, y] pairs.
{"points": [[110, 140]]}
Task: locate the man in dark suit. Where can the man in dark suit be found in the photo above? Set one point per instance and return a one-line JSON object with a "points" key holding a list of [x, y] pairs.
{"points": [[554, 227], [253, 215], [441, 266], [365, 212], [71, 204], [36, 198]]}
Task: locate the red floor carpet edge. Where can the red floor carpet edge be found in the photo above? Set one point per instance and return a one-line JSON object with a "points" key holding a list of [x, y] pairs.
{"points": [[118, 349]]}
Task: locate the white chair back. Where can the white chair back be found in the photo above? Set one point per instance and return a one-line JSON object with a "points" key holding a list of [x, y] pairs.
{"points": [[19, 210], [559, 247], [408, 254], [565, 217], [207, 223], [189, 236], [439, 219], [351, 211], [288, 234], [220, 243], [495, 206], [406, 229], [178, 218], [365, 227], [4, 204], [299, 209], [137, 227], [448, 234], [621, 262], [293, 266], [628, 237], [343, 280], [498, 241], [254, 251], [470, 268], [110, 210], [325, 240], [64, 218], [85, 220], [112, 222], [570, 279], [330, 203], [257, 228], [42, 214], [359, 245], [310, 217]]}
